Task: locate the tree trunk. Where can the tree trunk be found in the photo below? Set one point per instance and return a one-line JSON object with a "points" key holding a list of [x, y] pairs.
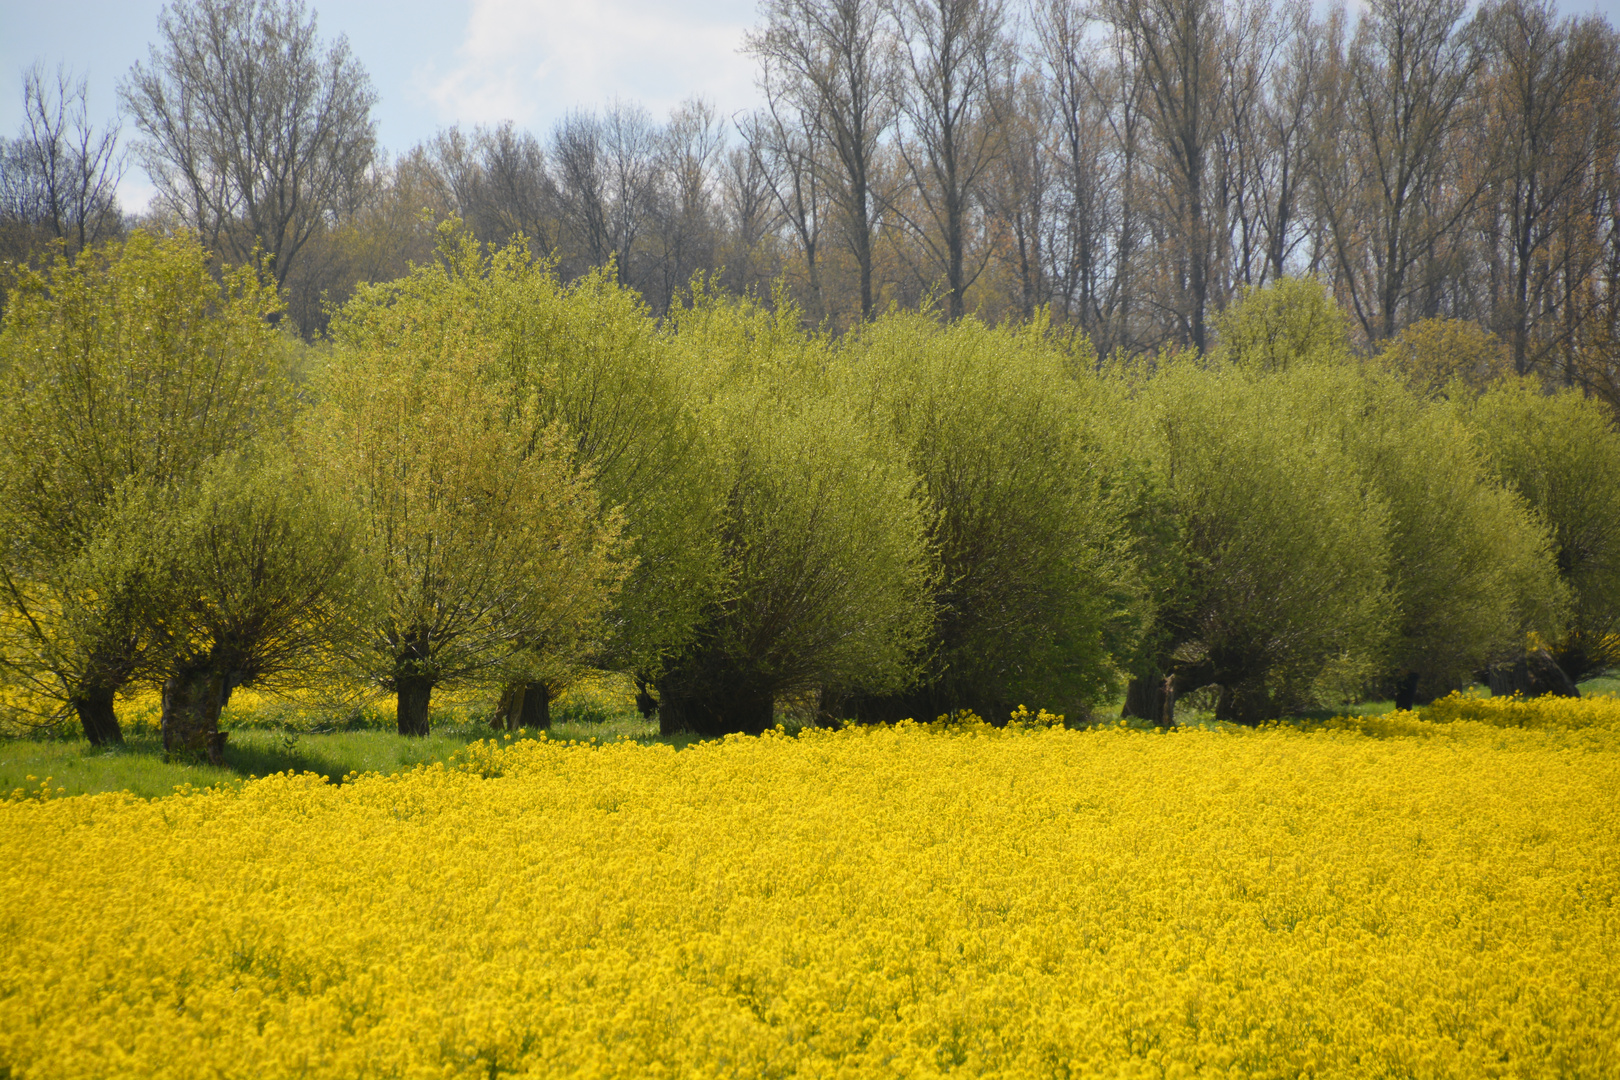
{"points": [[191, 707], [1535, 675], [1406, 691], [414, 693], [646, 704], [712, 716], [1151, 699], [95, 709], [1244, 705], [525, 705]]}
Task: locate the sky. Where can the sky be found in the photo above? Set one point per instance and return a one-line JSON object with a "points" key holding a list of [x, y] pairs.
{"points": [[434, 63]]}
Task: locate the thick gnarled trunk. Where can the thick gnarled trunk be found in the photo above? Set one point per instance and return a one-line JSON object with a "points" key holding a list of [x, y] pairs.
{"points": [[192, 700], [525, 706], [415, 692], [96, 714], [1151, 699], [1535, 675], [716, 713]]}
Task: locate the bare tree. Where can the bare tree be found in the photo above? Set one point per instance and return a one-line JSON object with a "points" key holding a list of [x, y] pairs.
{"points": [[1177, 45], [751, 216], [517, 196], [787, 146], [60, 174], [832, 60], [688, 152], [1549, 85], [1247, 169], [1018, 189], [953, 56], [580, 163], [1099, 100], [630, 145], [253, 129], [1394, 186], [1286, 114]]}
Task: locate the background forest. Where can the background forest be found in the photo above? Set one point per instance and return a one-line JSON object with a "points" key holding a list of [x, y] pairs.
{"points": [[1129, 165]]}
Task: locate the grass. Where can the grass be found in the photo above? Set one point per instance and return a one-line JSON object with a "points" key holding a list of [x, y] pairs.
{"points": [[269, 736], [77, 768]]}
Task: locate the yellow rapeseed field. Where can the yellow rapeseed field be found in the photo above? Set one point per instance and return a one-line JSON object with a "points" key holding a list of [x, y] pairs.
{"points": [[1387, 898]]}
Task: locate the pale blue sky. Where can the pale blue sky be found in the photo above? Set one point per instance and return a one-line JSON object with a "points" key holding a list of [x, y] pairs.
{"points": [[432, 63], [435, 63]]}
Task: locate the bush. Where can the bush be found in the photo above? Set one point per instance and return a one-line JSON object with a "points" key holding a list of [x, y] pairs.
{"points": [[1032, 578], [826, 565], [1561, 454]]}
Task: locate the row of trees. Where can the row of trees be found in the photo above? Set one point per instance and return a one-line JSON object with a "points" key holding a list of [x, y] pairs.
{"points": [[1131, 165], [495, 477]]}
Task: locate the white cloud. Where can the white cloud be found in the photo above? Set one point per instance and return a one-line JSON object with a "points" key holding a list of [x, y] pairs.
{"points": [[532, 61], [135, 192]]}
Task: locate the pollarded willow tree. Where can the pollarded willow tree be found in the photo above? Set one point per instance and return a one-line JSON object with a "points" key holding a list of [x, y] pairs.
{"points": [[1278, 591], [253, 574], [133, 365], [585, 359], [1034, 589], [487, 538], [827, 577], [1469, 570], [1561, 454]]}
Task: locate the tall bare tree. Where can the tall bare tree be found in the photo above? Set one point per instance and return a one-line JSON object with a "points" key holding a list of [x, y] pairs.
{"points": [[1098, 147], [751, 217], [687, 214], [954, 55], [1176, 45], [60, 175], [787, 146], [1018, 189], [1394, 185], [833, 59], [1549, 85], [579, 161], [253, 129]]}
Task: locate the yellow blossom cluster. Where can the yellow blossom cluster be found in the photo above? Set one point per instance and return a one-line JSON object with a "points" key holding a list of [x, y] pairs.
{"points": [[1598, 711], [1412, 900]]}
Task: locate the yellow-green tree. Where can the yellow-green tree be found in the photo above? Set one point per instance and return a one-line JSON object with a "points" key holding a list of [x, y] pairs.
{"points": [[486, 537], [1561, 453], [1033, 589], [826, 574], [254, 574], [584, 359], [1278, 587], [131, 365]]}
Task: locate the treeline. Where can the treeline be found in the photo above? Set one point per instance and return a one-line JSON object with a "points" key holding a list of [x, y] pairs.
{"points": [[1130, 166], [491, 476]]}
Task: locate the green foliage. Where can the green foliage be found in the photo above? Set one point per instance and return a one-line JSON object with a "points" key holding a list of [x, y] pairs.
{"points": [[258, 568], [1561, 454], [1289, 322], [1282, 596], [1470, 568], [486, 535], [827, 571], [132, 365], [583, 360], [1032, 577]]}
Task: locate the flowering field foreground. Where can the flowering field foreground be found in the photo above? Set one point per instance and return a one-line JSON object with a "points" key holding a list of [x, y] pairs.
{"points": [[1411, 900]]}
